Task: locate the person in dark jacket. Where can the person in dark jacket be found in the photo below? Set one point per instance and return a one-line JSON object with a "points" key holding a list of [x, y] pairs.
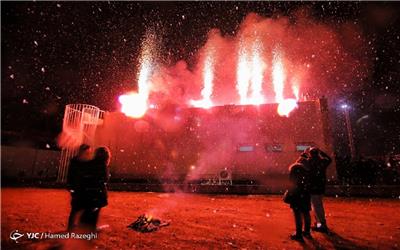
{"points": [[300, 200], [304, 159], [77, 163], [319, 162], [95, 180]]}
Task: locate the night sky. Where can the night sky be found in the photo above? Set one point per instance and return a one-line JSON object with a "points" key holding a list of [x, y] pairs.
{"points": [[55, 53]]}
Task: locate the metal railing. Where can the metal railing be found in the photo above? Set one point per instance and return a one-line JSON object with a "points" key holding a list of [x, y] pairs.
{"points": [[80, 123]]}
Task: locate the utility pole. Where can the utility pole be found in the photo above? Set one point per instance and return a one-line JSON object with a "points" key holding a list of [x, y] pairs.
{"points": [[346, 112]]}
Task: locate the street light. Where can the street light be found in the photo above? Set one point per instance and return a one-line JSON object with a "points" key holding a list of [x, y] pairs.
{"points": [[345, 107]]}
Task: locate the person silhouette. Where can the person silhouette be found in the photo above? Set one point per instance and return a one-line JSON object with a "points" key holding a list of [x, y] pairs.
{"points": [[95, 179], [77, 164]]}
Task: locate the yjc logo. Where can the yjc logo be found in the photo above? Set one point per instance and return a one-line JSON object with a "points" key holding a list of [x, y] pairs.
{"points": [[15, 235], [33, 236]]}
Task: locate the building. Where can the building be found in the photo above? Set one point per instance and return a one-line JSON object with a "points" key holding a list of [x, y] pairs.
{"points": [[236, 143]]}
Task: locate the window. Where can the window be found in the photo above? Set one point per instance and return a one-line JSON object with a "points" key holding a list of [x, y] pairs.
{"points": [[303, 146], [273, 147], [246, 148]]}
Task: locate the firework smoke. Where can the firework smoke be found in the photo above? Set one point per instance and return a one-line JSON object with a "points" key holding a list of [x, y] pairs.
{"points": [[268, 60]]}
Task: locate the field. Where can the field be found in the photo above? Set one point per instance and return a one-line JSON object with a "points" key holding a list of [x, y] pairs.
{"points": [[199, 221]]}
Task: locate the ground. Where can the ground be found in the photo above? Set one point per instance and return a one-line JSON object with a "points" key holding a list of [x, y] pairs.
{"points": [[200, 221]]}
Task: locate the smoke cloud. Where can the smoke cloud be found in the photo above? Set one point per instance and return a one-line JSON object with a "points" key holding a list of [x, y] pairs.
{"points": [[319, 58]]}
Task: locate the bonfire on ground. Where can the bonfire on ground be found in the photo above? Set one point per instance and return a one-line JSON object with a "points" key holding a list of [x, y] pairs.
{"points": [[147, 223]]}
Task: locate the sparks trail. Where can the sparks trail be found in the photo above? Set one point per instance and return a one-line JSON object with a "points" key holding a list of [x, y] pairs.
{"points": [[269, 60], [249, 85], [243, 75], [208, 77], [135, 104], [278, 79], [250, 73], [258, 67]]}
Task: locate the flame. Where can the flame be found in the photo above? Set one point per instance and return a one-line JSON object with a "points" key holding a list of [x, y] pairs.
{"points": [[243, 76], [250, 73], [257, 75], [285, 106], [278, 76], [249, 80], [296, 91], [133, 104], [208, 77], [144, 75]]}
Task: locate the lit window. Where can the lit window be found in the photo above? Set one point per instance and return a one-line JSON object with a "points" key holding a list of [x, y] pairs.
{"points": [[246, 148], [303, 146]]}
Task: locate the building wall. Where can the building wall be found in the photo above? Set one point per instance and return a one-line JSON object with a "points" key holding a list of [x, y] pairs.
{"points": [[28, 163], [251, 142]]}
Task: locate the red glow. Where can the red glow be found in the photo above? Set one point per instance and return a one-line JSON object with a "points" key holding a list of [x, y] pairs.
{"points": [[208, 77], [286, 106], [250, 73], [264, 62], [133, 104]]}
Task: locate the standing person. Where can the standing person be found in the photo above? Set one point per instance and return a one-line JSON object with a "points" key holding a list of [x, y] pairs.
{"points": [[304, 159], [299, 199], [319, 162], [95, 179], [76, 165]]}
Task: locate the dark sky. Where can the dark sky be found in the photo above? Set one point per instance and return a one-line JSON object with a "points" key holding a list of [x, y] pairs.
{"points": [[55, 53]]}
